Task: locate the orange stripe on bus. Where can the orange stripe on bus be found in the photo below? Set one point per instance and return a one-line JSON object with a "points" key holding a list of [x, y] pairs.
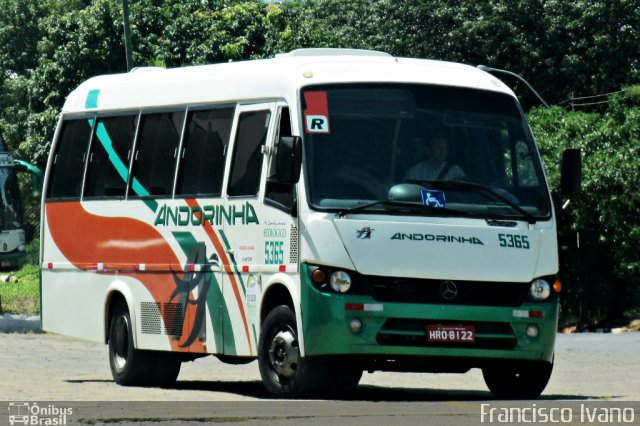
{"points": [[83, 238]]}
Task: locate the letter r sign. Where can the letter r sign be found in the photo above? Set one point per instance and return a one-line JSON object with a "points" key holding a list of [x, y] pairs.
{"points": [[317, 124], [316, 113]]}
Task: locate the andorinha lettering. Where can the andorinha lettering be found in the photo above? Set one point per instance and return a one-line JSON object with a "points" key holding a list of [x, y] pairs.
{"points": [[214, 214], [437, 238]]}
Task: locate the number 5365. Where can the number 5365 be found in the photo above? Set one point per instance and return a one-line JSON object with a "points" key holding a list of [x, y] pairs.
{"points": [[514, 241]]}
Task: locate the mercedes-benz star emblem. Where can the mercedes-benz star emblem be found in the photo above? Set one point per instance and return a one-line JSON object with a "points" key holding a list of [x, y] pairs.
{"points": [[448, 290]]}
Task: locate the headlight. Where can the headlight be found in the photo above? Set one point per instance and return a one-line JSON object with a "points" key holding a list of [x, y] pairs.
{"points": [[540, 290], [340, 281]]}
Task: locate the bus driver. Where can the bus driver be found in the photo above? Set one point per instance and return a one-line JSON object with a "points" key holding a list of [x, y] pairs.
{"points": [[435, 166]]}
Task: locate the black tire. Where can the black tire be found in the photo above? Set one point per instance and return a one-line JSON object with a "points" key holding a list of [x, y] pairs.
{"points": [[522, 381], [167, 368], [286, 374], [134, 367], [348, 379], [343, 381]]}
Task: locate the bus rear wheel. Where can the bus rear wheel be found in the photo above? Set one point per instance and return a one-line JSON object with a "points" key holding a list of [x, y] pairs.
{"points": [[131, 366], [285, 373], [526, 380]]}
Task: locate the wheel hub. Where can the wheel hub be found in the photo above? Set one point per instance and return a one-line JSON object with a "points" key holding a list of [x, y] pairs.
{"points": [[284, 354]]}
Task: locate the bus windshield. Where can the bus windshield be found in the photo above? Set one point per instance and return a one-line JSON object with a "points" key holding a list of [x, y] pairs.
{"points": [[420, 149]]}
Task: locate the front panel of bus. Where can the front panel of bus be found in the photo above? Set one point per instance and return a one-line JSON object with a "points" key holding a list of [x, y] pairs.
{"points": [[427, 227]]}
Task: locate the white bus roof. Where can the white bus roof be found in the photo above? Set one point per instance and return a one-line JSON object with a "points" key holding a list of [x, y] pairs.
{"points": [[277, 78]]}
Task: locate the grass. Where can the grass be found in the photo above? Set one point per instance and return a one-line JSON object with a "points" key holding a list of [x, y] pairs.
{"points": [[23, 295]]}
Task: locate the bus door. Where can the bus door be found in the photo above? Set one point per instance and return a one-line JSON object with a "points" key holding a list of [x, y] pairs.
{"points": [[242, 227]]}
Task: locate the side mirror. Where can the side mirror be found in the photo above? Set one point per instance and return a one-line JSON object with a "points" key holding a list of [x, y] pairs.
{"points": [[571, 172], [289, 159]]}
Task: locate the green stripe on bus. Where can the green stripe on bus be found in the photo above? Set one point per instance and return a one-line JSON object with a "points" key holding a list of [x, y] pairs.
{"points": [[185, 240], [219, 314], [233, 261], [121, 168], [92, 99]]}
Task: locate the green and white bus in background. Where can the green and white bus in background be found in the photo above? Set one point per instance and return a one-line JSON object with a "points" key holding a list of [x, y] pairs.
{"points": [[12, 224], [282, 210]]}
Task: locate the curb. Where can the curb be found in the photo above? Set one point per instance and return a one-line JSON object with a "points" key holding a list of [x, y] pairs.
{"points": [[19, 324]]}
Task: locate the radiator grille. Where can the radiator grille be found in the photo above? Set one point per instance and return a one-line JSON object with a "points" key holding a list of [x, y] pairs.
{"points": [[409, 290]]}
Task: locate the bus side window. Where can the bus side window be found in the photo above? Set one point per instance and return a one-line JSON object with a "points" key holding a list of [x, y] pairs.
{"points": [[108, 168], [277, 194], [246, 163], [156, 154], [202, 164], [68, 162]]}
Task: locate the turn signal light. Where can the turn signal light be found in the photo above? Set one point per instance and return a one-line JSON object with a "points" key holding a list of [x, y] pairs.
{"points": [[318, 276], [557, 286]]}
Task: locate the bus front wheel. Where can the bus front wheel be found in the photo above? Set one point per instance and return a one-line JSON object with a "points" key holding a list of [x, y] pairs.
{"points": [[285, 373], [522, 381]]}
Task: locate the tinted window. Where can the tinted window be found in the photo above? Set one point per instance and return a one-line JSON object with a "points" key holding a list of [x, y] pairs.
{"points": [[366, 142], [156, 152], [68, 161], [108, 168], [279, 193], [203, 155], [246, 163]]}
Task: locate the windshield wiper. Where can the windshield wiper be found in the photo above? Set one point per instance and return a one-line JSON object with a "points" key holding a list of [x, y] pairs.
{"points": [[421, 208], [460, 185]]}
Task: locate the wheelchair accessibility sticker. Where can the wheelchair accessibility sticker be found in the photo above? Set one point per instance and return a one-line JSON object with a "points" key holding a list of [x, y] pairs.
{"points": [[433, 198]]}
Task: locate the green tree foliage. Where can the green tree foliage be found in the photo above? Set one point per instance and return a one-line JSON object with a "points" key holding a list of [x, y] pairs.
{"points": [[600, 229], [561, 46], [19, 35], [70, 42], [193, 32]]}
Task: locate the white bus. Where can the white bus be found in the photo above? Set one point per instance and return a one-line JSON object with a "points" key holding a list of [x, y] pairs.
{"points": [[281, 210]]}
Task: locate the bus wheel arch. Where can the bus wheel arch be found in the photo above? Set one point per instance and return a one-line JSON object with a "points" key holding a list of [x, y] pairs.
{"points": [[285, 372], [129, 365], [280, 290], [116, 294], [276, 294]]}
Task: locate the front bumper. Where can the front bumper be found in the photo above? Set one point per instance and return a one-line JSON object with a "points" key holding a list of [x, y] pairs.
{"points": [[398, 330]]}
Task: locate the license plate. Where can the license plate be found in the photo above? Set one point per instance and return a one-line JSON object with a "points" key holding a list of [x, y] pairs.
{"points": [[451, 333]]}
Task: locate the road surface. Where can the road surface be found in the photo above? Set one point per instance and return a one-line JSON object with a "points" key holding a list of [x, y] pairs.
{"points": [[55, 371]]}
